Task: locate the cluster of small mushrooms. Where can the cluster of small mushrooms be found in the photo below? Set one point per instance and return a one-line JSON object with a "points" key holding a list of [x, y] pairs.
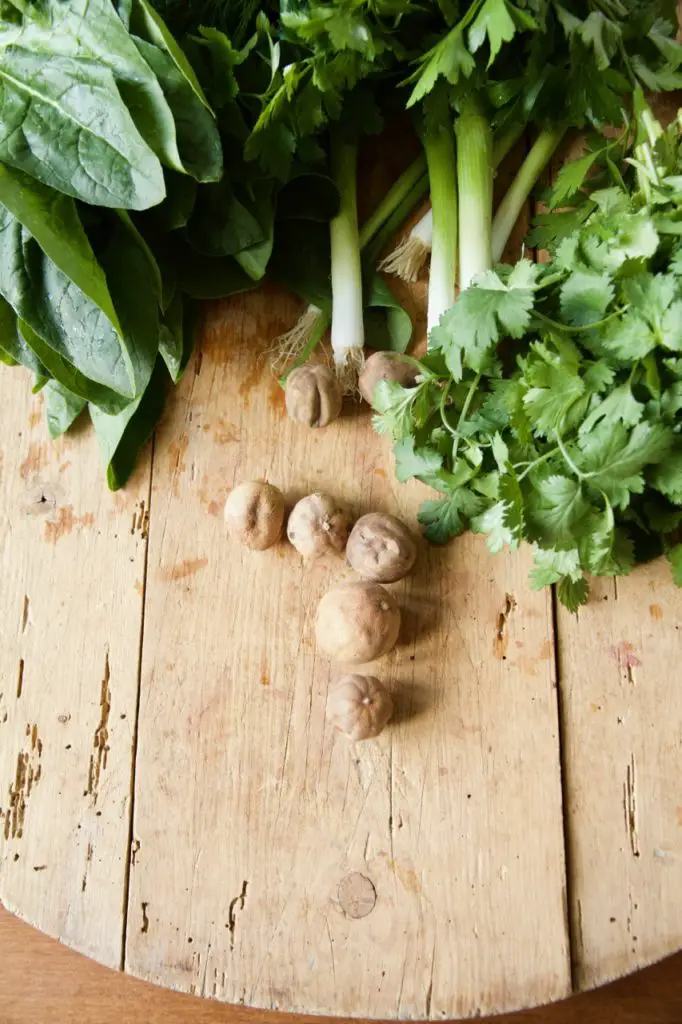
{"points": [[356, 622]]}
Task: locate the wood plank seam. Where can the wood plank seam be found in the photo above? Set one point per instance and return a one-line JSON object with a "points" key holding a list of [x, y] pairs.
{"points": [[572, 933], [133, 765]]}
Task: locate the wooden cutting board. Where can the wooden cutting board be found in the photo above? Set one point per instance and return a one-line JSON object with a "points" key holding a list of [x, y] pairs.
{"points": [[173, 802]]}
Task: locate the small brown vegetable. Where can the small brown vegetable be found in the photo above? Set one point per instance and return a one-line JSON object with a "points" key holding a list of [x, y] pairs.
{"points": [[313, 395], [357, 622], [385, 366], [254, 513], [317, 526], [381, 548], [359, 706]]}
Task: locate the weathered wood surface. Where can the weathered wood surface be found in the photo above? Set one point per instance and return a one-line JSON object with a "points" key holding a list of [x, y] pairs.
{"points": [[71, 574], [268, 861]]}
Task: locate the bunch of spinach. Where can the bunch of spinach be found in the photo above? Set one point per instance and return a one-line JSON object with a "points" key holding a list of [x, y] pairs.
{"points": [[548, 405], [116, 210]]}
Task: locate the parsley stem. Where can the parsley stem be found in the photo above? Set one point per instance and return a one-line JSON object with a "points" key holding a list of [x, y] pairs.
{"points": [[567, 329], [475, 184], [511, 206]]}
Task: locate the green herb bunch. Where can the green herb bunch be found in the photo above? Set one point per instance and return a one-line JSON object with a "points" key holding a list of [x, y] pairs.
{"points": [[548, 405]]}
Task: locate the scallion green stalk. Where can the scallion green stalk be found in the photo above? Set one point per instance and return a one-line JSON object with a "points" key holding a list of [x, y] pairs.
{"points": [[525, 181]]}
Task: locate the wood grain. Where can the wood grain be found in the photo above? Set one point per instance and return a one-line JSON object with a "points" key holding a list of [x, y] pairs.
{"points": [[621, 684], [621, 703], [250, 813], [71, 566], [43, 981]]}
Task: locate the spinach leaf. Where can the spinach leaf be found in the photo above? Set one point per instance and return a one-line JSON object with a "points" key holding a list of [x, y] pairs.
{"points": [[134, 280], [52, 219], [13, 346], [63, 371], [63, 121], [122, 437], [68, 322], [171, 338], [147, 22], [387, 324], [62, 408], [223, 225], [206, 277], [310, 196], [197, 134], [176, 210], [92, 30]]}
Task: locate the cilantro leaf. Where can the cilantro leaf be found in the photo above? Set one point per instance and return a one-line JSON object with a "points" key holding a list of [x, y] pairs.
{"points": [[564, 569], [573, 593], [448, 517], [549, 566], [559, 511], [399, 410], [492, 523], [585, 297], [620, 406], [487, 311], [412, 461], [614, 460], [667, 477]]}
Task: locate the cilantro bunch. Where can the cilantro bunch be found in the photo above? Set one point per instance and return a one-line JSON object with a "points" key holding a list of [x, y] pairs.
{"points": [[549, 405]]}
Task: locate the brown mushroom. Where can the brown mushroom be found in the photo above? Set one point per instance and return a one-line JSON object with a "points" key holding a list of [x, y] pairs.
{"points": [[254, 513], [359, 706], [381, 548], [357, 622], [313, 395], [318, 526], [385, 366]]}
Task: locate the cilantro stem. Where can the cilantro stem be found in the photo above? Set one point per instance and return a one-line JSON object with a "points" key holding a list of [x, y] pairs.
{"points": [[567, 458], [527, 177], [530, 466], [464, 413], [439, 145], [568, 329], [441, 408], [475, 184]]}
